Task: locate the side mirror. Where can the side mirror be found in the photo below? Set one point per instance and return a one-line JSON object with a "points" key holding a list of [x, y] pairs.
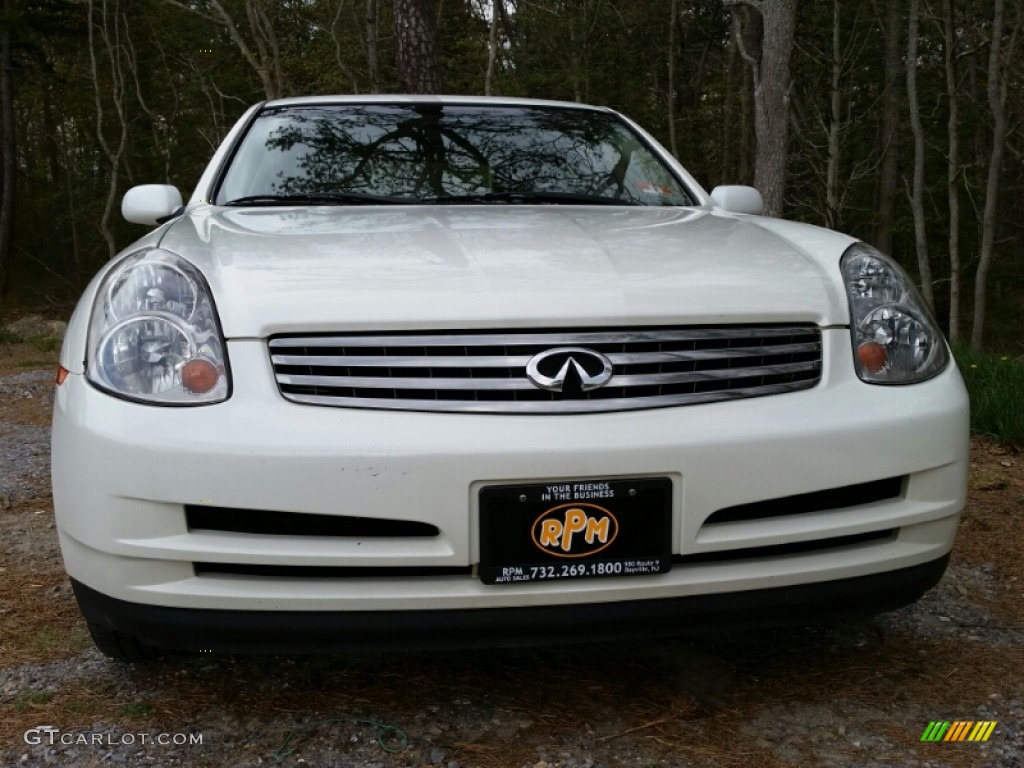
{"points": [[737, 199], [149, 203]]}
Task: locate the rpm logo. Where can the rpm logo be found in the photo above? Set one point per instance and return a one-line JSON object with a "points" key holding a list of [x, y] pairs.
{"points": [[578, 529]]}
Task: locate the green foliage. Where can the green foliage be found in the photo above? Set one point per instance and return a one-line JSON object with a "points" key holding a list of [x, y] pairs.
{"points": [[47, 344], [99, 686], [82, 707], [33, 364], [23, 704], [140, 709], [47, 639], [996, 387]]}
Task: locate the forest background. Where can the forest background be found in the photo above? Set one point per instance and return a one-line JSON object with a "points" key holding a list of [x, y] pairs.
{"points": [[896, 122]]}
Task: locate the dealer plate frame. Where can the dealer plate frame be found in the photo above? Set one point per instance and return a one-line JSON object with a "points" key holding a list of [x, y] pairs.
{"points": [[520, 540]]}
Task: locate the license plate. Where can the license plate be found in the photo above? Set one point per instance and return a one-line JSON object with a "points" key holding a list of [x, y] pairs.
{"points": [[575, 529]]}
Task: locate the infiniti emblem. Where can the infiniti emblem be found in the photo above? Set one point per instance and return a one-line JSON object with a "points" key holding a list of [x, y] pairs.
{"points": [[570, 370]]}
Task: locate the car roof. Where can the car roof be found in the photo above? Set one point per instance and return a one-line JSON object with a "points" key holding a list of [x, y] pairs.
{"points": [[391, 98]]}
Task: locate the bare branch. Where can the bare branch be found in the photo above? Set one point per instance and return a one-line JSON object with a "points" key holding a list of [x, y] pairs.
{"points": [[737, 33], [337, 49], [236, 36], [225, 96]]}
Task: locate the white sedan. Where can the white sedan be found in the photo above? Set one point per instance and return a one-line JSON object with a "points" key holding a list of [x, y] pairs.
{"points": [[445, 370]]}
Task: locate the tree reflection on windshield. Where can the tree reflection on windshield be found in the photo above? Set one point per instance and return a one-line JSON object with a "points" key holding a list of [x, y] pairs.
{"points": [[431, 152]]}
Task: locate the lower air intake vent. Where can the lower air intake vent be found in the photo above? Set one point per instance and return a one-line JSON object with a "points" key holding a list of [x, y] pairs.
{"points": [[329, 571], [230, 520], [818, 501]]}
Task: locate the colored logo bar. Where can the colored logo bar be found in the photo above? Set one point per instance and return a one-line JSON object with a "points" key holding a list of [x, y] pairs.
{"points": [[958, 730]]}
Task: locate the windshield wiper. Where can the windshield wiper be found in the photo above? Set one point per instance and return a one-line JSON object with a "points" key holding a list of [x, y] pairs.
{"points": [[319, 198], [557, 198]]}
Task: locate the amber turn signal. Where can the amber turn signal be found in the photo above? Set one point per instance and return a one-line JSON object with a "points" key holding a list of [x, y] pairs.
{"points": [[62, 373], [199, 376], [872, 356]]}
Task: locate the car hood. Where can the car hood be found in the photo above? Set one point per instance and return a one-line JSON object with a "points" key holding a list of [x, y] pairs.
{"points": [[277, 270]]}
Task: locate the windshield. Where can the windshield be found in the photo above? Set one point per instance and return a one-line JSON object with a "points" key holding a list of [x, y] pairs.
{"points": [[382, 153]]}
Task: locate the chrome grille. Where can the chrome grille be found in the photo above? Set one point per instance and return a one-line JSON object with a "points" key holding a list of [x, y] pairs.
{"points": [[485, 372]]}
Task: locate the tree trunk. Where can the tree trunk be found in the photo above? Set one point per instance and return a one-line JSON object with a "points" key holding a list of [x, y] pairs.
{"points": [[768, 55], [952, 170], [492, 48], [673, 19], [917, 193], [997, 103], [267, 29], [729, 117], [372, 39], [416, 47], [835, 118], [8, 163], [113, 50], [75, 256], [49, 144], [336, 37], [574, 56], [747, 138], [888, 174]]}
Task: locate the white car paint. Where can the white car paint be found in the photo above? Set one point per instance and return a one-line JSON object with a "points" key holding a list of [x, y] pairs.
{"points": [[123, 471], [492, 267]]}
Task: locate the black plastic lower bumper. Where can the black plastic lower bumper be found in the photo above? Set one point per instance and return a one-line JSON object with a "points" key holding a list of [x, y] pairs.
{"points": [[229, 631]]}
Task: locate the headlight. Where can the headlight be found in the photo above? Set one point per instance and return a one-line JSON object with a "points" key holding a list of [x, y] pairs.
{"points": [[895, 338], [154, 334]]}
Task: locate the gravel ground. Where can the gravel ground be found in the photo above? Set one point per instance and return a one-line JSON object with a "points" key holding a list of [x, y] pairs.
{"points": [[25, 456], [845, 695]]}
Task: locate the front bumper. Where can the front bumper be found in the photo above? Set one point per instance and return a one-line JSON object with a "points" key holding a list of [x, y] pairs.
{"points": [[123, 473], [227, 631]]}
